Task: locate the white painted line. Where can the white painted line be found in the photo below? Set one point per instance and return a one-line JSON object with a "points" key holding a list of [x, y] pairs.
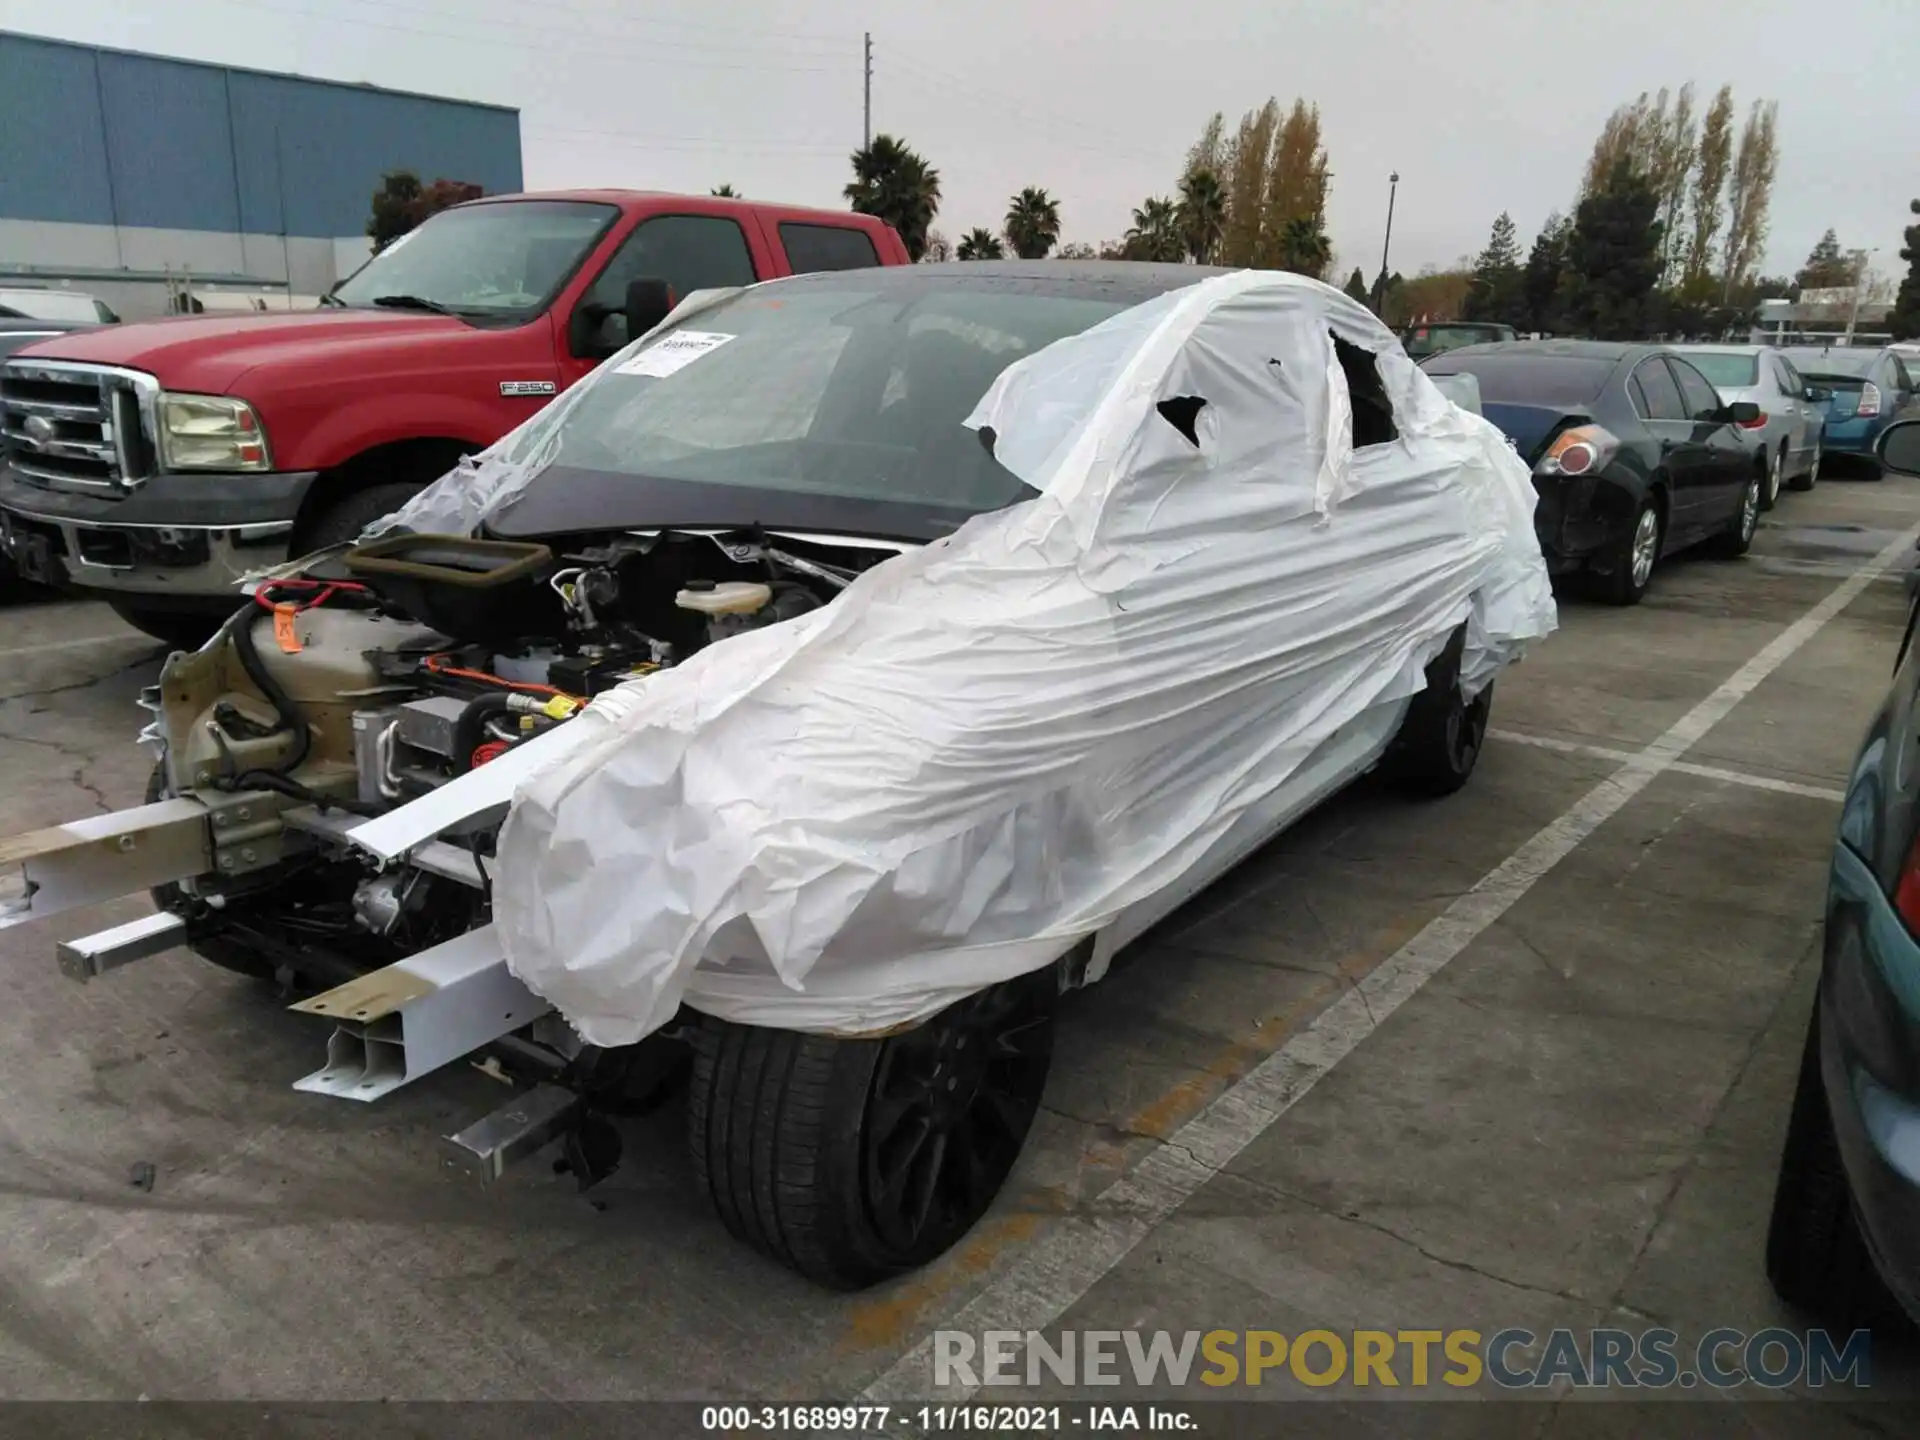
{"points": [[54, 647], [1704, 772], [1046, 1278]]}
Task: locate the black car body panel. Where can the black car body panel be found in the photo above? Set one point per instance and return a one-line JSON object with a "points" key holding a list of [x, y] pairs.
{"points": [[1869, 1009], [1676, 445]]}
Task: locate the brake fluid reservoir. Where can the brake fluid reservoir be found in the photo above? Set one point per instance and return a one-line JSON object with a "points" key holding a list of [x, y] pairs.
{"points": [[729, 597]]}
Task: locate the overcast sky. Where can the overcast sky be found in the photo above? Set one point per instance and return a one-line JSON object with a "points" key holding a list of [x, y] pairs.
{"points": [[1481, 105]]}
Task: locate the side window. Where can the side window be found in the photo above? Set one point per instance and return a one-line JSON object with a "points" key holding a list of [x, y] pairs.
{"points": [[1784, 376], [1703, 402], [826, 247], [1659, 393], [1901, 378], [689, 252], [1372, 412]]}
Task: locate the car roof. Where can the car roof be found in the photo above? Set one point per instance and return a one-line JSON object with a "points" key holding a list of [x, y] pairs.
{"points": [[716, 204], [1687, 349], [1554, 349], [1126, 282]]}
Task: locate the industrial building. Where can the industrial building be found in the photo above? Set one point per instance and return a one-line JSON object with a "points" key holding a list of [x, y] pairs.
{"points": [[143, 179]]}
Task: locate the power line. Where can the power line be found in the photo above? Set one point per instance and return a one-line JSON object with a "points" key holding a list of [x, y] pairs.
{"points": [[628, 29], [633, 56], [627, 140], [927, 75]]}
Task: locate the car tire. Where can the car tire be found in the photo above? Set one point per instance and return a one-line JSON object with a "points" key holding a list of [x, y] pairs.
{"points": [[1438, 744], [849, 1160], [175, 901], [179, 628], [1636, 553], [1737, 538], [344, 519], [1773, 467], [1811, 478], [1817, 1259]]}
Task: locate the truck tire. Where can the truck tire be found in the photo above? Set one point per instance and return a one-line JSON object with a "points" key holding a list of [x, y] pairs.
{"points": [[1817, 1259], [1438, 744], [175, 901], [854, 1160], [345, 518], [178, 627]]}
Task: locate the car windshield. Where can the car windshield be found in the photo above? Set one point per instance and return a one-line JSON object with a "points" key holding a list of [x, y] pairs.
{"points": [[1729, 372], [490, 259], [852, 391], [1530, 379]]}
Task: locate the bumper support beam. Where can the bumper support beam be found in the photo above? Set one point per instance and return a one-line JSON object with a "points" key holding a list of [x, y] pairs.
{"points": [[416, 1015]]}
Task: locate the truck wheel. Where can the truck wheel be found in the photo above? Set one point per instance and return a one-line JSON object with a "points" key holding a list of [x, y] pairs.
{"points": [[346, 517], [177, 628], [1438, 743], [1817, 1259], [854, 1160], [175, 901]]}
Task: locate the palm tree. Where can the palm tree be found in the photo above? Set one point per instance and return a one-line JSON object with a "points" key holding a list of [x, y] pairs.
{"points": [[727, 192], [892, 182], [1033, 223], [980, 243], [1155, 234], [1304, 247], [1203, 214]]}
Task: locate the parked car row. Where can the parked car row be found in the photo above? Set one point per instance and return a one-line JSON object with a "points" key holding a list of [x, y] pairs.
{"points": [[1640, 451]]}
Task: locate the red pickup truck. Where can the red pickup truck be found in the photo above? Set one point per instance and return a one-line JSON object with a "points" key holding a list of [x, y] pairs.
{"points": [[156, 463]]}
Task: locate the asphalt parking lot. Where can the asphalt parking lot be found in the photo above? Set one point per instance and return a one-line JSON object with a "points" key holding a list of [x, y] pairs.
{"points": [[1519, 1058]]}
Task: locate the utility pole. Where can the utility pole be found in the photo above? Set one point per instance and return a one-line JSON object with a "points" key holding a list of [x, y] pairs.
{"points": [[866, 105], [1380, 285]]}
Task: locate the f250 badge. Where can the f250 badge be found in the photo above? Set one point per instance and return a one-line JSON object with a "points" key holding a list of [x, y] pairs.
{"points": [[527, 387]]}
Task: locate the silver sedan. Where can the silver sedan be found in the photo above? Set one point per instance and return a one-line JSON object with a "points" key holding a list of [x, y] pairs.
{"points": [[1786, 437]]}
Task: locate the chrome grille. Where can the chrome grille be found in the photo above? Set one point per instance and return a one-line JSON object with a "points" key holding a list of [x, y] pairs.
{"points": [[68, 426]]}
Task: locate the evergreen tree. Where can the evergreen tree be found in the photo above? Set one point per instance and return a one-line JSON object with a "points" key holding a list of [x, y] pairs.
{"points": [[1827, 266], [1357, 285], [1613, 257], [1540, 281], [1905, 319], [1498, 280]]}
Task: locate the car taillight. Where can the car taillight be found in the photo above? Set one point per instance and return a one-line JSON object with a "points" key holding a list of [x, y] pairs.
{"points": [[1869, 400], [1578, 450], [1759, 422], [1906, 891]]}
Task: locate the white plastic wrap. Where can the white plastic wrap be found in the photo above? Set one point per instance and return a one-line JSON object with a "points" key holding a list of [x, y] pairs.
{"points": [[993, 747]]}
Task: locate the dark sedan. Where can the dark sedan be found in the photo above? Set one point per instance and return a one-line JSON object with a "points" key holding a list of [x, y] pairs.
{"points": [[1844, 1242], [1634, 455]]}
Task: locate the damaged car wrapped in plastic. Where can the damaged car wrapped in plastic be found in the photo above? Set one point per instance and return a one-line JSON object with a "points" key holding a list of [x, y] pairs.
{"points": [[804, 703]]}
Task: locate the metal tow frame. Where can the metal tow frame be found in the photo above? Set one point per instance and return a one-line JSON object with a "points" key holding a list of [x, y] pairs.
{"points": [[396, 1024]]}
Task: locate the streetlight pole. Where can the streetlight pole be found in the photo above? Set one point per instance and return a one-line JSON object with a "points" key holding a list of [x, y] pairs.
{"points": [[1859, 283], [1380, 285]]}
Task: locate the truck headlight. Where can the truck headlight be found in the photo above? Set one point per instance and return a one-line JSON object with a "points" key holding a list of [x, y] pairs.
{"points": [[210, 432]]}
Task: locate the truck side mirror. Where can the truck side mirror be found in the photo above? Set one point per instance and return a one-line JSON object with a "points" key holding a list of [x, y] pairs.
{"points": [[649, 301]]}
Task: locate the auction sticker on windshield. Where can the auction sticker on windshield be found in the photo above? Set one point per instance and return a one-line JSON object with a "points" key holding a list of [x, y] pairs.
{"points": [[671, 352]]}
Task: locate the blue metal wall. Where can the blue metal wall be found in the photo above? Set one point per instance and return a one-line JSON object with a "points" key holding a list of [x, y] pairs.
{"points": [[105, 137]]}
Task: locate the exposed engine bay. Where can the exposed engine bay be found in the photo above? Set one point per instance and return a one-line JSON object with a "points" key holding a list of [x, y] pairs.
{"points": [[381, 673]]}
